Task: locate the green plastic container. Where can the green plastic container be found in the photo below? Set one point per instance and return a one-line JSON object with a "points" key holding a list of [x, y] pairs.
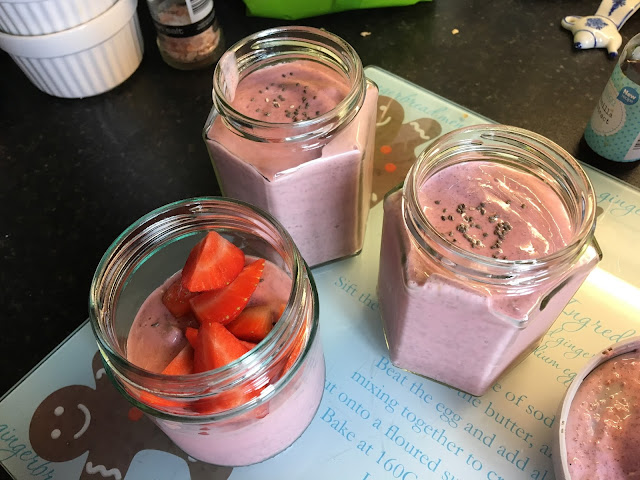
{"points": [[295, 9]]}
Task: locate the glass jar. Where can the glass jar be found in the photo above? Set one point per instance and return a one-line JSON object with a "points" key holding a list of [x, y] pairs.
{"points": [[613, 130], [291, 131], [597, 428], [153, 249], [488, 240], [189, 36]]}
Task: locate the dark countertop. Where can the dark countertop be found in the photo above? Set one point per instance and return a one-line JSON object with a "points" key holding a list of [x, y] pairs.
{"points": [[76, 173]]}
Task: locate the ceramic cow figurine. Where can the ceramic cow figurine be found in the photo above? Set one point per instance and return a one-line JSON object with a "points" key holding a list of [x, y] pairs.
{"points": [[602, 29]]}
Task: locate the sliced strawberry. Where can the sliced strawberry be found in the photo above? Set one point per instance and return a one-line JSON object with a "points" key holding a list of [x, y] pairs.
{"points": [[222, 306], [253, 324], [261, 411], [249, 345], [216, 348], [213, 263], [224, 401], [182, 363], [156, 401], [192, 336], [295, 351], [176, 299]]}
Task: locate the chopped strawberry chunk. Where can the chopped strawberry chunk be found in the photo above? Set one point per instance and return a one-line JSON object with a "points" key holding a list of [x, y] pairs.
{"points": [[223, 305], [295, 351], [253, 324], [216, 348], [192, 336], [182, 363], [157, 402], [249, 345], [213, 263], [225, 401], [176, 299]]}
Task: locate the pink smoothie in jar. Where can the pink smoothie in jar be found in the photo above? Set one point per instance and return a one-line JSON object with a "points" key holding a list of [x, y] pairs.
{"points": [[292, 132], [597, 437], [603, 425], [480, 252], [138, 336]]}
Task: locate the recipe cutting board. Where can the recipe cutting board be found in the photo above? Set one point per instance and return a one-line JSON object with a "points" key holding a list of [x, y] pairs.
{"points": [[65, 421]]}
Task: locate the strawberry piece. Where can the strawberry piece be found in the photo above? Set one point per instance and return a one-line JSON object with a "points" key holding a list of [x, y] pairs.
{"points": [[253, 324], [192, 336], [295, 351], [212, 264], [157, 402], [225, 401], [261, 411], [222, 306], [249, 345], [217, 347], [182, 363], [176, 299]]}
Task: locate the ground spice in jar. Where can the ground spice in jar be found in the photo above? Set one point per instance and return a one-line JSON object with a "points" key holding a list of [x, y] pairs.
{"points": [[189, 36]]}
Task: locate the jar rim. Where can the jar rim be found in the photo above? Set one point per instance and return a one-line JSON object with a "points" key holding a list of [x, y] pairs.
{"points": [[519, 143], [251, 49], [110, 278]]}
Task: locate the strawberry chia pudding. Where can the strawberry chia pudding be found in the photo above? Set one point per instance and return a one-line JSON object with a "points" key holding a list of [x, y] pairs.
{"points": [[603, 424], [292, 132], [480, 253], [224, 354]]}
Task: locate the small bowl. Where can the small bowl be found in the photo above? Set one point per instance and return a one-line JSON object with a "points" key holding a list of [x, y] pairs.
{"points": [[560, 460], [40, 17], [85, 60]]}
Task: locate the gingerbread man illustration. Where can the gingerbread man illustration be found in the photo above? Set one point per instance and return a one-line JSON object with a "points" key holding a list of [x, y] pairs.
{"points": [[77, 418], [395, 145]]}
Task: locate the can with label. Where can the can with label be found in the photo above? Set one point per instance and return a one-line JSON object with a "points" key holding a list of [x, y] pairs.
{"points": [[614, 128]]}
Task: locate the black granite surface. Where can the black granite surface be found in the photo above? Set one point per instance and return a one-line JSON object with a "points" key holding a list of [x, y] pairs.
{"points": [[75, 173]]}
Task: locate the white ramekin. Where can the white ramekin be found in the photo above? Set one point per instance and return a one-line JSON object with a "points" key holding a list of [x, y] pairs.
{"points": [[39, 17], [559, 456], [85, 60]]}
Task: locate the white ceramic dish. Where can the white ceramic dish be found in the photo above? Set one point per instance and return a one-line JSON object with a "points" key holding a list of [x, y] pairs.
{"points": [[85, 60], [560, 461], [40, 17]]}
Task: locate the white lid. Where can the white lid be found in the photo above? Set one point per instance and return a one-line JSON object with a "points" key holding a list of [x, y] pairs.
{"points": [[73, 40]]}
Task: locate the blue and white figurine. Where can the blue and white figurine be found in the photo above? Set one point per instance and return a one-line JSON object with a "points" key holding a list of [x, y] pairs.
{"points": [[601, 30]]}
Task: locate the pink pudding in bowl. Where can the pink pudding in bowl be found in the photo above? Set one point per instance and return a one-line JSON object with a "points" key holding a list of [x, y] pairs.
{"points": [[292, 130], [213, 331], [598, 436], [480, 252]]}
